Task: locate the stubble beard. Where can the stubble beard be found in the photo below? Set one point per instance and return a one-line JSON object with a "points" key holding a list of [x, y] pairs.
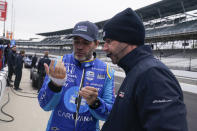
{"points": [[84, 58]]}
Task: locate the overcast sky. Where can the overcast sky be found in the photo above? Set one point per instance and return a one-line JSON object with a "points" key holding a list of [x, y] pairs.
{"points": [[39, 16]]}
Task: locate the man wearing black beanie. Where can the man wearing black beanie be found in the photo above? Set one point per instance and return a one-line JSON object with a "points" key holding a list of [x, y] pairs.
{"points": [[150, 97]]}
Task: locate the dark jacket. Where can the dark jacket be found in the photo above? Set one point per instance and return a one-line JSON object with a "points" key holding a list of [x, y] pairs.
{"points": [[150, 97], [6, 52], [41, 69], [19, 63], [34, 60], [11, 58]]}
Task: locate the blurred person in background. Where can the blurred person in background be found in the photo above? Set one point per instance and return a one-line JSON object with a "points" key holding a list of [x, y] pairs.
{"points": [[11, 64], [18, 69], [34, 60], [41, 70], [6, 52]]}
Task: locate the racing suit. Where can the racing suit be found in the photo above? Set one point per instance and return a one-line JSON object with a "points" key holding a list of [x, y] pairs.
{"points": [[62, 101]]}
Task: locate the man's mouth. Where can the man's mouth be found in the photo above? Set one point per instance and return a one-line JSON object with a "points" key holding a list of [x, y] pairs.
{"points": [[79, 53]]}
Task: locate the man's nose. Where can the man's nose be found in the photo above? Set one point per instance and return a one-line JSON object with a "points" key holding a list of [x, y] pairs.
{"points": [[80, 46]]}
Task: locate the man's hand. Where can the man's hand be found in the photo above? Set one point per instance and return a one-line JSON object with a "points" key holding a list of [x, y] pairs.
{"points": [[57, 73], [89, 94]]}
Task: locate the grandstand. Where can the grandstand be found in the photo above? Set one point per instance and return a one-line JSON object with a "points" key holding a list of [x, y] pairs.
{"points": [[171, 30]]}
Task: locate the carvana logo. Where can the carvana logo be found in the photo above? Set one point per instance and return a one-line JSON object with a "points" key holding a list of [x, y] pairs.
{"points": [[69, 100]]}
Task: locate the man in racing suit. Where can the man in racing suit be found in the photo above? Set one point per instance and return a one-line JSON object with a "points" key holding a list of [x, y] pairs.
{"points": [[81, 69]]}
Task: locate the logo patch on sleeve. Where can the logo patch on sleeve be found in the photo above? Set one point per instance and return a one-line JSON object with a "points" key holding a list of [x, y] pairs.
{"points": [[121, 94]]}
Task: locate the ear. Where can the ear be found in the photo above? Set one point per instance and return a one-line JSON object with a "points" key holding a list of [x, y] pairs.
{"points": [[96, 44]]}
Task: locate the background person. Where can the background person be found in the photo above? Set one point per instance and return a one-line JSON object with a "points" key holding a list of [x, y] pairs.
{"points": [[6, 52], [11, 64], [34, 60], [81, 70], [18, 69], [41, 70], [150, 98]]}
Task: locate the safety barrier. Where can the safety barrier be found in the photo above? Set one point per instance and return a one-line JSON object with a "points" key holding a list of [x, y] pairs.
{"points": [[3, 77]]}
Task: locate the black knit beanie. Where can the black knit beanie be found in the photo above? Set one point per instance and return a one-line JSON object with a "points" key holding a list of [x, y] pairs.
{"points": [[125, 26]]}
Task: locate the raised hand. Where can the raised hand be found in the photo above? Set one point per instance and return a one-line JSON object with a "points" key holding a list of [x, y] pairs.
{"points": [[57, 73]]}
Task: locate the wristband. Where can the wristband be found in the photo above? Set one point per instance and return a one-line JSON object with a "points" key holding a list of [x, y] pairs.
{"points": [[59, 82]]}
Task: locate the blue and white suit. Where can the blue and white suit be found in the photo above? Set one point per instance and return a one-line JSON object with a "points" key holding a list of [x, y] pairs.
{"points": [[62, 103]]}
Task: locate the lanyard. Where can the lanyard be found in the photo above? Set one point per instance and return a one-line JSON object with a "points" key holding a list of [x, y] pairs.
{"points": [[78, 99]]}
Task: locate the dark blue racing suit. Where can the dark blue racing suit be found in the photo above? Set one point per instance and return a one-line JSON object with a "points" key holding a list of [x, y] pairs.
{"points": [[62, 102]]}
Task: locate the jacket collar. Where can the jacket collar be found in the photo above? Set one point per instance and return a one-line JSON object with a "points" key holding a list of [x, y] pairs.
{"points": [[132, 58], [84, 64], [46, 57]]}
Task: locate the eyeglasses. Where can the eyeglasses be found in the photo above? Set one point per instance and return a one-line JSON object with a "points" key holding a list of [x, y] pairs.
{"points": [[108, 41]]}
